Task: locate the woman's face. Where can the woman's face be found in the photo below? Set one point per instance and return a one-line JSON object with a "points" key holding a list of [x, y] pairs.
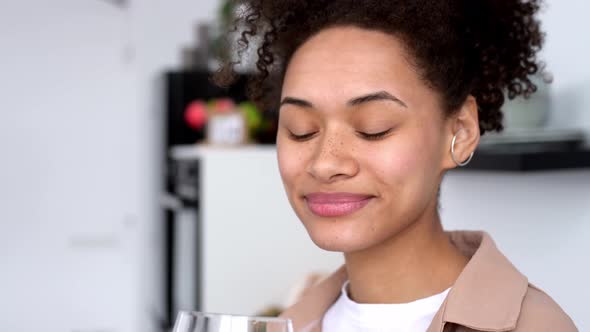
{"points": [[361, 139]]}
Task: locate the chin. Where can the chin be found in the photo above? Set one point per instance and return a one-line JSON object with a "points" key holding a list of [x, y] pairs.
{"points": [[337, 246], [338, 236]]}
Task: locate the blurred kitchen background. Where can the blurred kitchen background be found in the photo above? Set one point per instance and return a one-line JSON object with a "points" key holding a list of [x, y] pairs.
{"points": [[131, 188]]}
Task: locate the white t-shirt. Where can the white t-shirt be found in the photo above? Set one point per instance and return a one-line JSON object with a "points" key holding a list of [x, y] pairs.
{"points": [[346, 315]]}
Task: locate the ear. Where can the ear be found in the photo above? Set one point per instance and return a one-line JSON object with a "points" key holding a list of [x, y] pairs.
{"points": [[465, 123]]}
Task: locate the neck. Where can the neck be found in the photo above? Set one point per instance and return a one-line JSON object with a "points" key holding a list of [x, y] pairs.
{"points": [[418, 262]]}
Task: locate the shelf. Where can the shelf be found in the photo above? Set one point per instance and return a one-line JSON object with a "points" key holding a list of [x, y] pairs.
{"points": [[522, 160]]}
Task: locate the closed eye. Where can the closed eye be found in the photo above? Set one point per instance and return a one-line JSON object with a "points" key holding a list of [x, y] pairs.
{"points": [[367, 136], [374, 136], [301, 138]]}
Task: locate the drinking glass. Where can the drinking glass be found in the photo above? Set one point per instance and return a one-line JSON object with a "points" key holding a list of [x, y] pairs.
{"points": [[195, 321]]}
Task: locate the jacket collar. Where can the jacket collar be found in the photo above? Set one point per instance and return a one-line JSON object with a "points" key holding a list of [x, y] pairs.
{"points": [[308, 312], [488, 293], [486, 296]]}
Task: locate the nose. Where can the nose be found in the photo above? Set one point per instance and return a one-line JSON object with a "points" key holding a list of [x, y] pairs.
{"points": [[332, 160]]}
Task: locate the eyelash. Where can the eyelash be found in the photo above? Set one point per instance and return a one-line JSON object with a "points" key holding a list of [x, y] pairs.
{"points": [[376, 136], [300, 138], [367, 136]]}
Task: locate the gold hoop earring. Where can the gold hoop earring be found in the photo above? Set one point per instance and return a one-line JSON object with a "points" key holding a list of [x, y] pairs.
{"points": [[453, 152]]}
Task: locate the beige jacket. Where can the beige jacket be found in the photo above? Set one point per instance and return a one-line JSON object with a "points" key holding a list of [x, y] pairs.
{"points": [[489, 295]]}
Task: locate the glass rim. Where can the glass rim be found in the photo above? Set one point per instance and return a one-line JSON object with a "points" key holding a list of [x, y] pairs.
{"points": [[216, 314]]}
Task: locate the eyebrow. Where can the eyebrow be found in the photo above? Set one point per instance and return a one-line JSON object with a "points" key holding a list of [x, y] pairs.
{"points": [[376, 96]]}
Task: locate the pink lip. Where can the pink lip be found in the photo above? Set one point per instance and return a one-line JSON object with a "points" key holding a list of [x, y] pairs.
{"points": [[336, 204]]}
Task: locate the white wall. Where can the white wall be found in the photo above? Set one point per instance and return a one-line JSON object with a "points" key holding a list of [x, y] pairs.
{"points": [[68, 220], [566, 52], [79, 140]]}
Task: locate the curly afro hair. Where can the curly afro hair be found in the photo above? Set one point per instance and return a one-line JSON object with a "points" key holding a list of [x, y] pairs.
{"points": [[484, 48]]}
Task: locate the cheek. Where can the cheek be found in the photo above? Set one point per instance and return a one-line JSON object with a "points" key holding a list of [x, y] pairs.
{"points": [[290, 161], [396, 163], [408, 159]]}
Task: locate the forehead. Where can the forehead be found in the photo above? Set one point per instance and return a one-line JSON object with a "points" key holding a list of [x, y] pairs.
{"points": [[346, 59]]}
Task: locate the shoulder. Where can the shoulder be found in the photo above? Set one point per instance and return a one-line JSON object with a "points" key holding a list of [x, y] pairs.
{"points": [[539, 312]]}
